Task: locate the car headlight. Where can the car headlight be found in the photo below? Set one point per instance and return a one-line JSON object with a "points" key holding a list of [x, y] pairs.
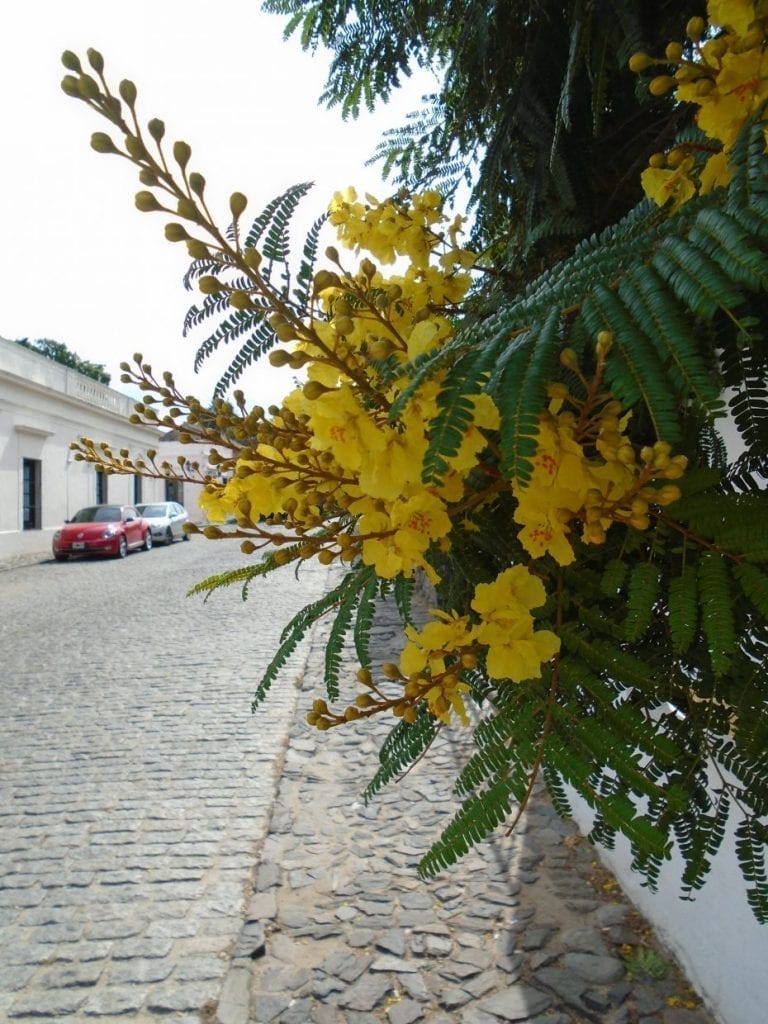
{"points": [[57, 535], [110, 532]]}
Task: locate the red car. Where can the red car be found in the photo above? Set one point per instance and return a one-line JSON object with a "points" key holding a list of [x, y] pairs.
{"points": [[102, 530]]}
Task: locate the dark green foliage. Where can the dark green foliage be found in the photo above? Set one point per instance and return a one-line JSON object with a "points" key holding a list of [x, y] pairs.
{"points": [[534, 106], [59, 352]]}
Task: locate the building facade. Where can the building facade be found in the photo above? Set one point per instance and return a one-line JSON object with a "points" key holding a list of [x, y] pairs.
{"points": [[43, 407]]}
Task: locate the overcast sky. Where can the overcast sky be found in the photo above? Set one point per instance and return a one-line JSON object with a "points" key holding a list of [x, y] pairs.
{"points": [[78, 263]]}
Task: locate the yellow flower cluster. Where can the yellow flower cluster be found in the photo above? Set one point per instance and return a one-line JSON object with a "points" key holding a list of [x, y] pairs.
{"points": [[330, 458], [435, 656], [501, 631], [588, 473], [726, 77], [332, 474]]}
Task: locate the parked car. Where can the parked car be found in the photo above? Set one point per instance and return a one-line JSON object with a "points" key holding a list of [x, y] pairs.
{"points": [[167, 519], [102, 530]]}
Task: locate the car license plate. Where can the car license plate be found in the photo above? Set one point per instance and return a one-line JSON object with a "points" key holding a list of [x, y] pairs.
{"points": [[78, 545]]}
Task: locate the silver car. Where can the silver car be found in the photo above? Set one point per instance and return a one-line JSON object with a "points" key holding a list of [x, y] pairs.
{"points": [[166, 520]]}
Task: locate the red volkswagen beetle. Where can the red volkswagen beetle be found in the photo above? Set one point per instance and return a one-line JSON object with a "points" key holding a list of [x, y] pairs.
{"points": [[102, 530]]}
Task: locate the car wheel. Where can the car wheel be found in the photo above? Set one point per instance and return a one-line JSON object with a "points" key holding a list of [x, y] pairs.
{"points": [[60, 556], [169, 536], [122, 547], [148, 540]]}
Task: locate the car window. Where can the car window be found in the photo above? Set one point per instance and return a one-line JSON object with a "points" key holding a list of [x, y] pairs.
{"points": [[152, 511], [106, 515], [85, 515]]}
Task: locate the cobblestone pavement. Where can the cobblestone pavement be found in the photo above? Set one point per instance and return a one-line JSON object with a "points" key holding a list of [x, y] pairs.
{"points": [[339, 929], [135, 784]]}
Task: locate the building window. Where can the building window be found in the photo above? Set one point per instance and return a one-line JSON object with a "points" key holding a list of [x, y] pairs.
{"points": [[174, 491], [33, 517], [137, 489], [101, 487]]}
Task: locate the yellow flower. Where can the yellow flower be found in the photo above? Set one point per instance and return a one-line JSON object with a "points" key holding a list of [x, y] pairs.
{"points": [[735, 15], [513, 589], [662, 184], [543, 532], [407, 530], [426, 648], [516, 651], [342, 426]]}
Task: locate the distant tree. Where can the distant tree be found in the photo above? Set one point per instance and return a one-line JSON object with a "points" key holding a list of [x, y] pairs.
{"points": [[59, 352]]}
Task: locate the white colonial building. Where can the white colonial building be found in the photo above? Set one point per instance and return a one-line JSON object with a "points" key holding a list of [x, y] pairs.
{"points": [[43, 407]]}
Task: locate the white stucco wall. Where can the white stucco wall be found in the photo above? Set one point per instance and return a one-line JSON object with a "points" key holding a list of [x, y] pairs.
{"points": [[715, 937], [722, 948], [43, 407]]}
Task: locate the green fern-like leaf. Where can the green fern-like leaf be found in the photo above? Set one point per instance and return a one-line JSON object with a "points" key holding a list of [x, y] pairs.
{"points": [[751, 842], [641, 598], [476, 820], [519, 388], [634, 370], [683, 609], [716, 611], [364, 622], [334, 648], [404, 745]]}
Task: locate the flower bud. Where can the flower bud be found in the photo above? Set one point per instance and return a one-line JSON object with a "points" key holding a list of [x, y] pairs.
{"points": [[325, 279], [332, 253], [674, 52], [187, 209], [95, 59], [71, 61], [69, 86], [156, 128], [314, 389], [146, 202], [237, 204], [181, 153], [344, 325], [197, 183], [390, 670], [240, 299], [197, 250], [661, 85], [176, 233], [640, 62], [210, 285], [88, 87], [604, 342], [135, 147], [127, 92], [102, 143], [569, 359], [695, 29], [252, 258], [279, 357]]}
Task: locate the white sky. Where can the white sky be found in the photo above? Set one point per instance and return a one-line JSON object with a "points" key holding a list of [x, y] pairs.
{"points": [[78, 263]]}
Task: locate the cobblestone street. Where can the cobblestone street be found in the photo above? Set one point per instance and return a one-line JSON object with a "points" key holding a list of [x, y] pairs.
{"points": [[135, 782], [165, 855]]}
